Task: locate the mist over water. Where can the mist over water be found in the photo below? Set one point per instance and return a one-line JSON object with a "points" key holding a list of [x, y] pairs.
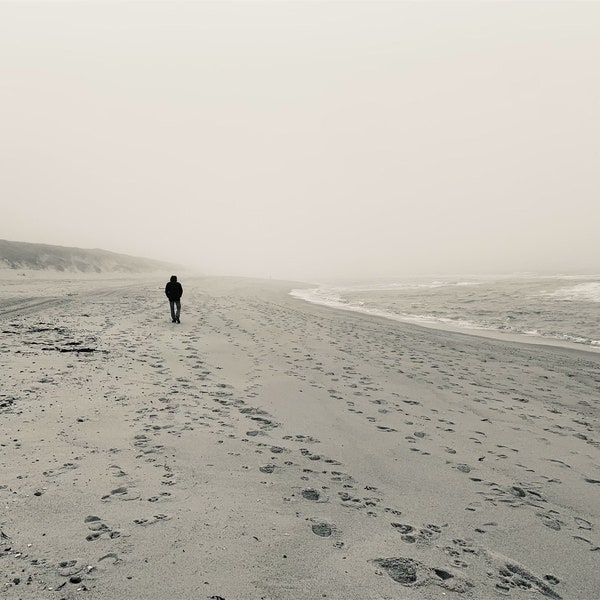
{"points": [[563, 309]]}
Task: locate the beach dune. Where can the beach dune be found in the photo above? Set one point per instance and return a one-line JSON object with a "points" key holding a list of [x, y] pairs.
{"points": [[271, 448]]}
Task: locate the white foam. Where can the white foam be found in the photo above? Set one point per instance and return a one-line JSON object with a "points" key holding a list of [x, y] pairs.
{"points": [[331, 298], [587, 292], [336, 290], [328, 297]]}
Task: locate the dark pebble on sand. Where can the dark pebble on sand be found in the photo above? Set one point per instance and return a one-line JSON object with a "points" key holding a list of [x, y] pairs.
{"points": [[75, 579]]}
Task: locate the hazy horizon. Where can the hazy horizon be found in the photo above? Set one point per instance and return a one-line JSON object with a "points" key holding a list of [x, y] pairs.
{"points": [[306, 140]]}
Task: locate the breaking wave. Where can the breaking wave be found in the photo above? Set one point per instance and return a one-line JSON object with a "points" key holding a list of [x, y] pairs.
{"points": [[519, 307]]}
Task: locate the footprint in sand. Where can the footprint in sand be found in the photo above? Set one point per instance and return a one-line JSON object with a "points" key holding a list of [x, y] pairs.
{"points": [[68, 568], [401, 570], [583, 523], [270, 468], [111, 557], [512, 575], [393, 511], [161, 496], [152, 521], [403, 528], [409, 572], [121, 493], [60, 470], [312, 494], [550, 521], [323, 529], [117, 471], [98, 528], [593, 547]]}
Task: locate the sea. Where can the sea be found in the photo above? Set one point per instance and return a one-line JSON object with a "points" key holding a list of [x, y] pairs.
{"points": [[559, 309]]}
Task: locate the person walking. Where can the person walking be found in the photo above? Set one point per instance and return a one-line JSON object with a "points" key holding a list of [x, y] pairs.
{"points": [[174, 291]]}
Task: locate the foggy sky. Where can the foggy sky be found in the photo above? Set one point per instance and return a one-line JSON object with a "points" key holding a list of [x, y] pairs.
{"points": [[306, 139]]}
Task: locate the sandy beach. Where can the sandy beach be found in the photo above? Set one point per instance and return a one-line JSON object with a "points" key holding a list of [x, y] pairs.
{"points": [[267, 448]]}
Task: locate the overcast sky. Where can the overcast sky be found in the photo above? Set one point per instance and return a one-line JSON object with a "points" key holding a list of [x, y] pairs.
{"points": [[306, 139]]}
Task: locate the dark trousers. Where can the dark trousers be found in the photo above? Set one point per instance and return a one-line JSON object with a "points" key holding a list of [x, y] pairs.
{"points": [[175, 304]]}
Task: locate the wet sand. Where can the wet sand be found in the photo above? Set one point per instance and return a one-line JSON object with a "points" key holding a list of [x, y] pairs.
{"points": [[270, 448]]}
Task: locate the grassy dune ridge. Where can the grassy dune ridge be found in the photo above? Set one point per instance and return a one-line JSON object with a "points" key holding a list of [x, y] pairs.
{"points": [[46, 257]]}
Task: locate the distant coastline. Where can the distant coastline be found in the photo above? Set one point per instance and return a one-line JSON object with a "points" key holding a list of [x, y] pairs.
{"points": [[62, 259]]}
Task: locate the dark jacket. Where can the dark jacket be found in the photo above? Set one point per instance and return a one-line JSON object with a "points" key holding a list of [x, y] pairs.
{"points": [[173, 290]]}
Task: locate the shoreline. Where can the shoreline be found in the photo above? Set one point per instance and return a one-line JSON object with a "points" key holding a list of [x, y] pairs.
{"points": [[518, 338], [270, 448]]}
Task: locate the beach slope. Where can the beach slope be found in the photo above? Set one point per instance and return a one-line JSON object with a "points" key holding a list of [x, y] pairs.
{"points": [[270, 448]]}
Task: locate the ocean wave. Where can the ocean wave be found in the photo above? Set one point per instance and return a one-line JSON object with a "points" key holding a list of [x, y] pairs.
{"points": [[326, 297], [587, 292], [333, 299], [395, 286]]}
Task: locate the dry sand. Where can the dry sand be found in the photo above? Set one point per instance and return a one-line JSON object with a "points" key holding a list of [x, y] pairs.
{"points": [[269, 448]]}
